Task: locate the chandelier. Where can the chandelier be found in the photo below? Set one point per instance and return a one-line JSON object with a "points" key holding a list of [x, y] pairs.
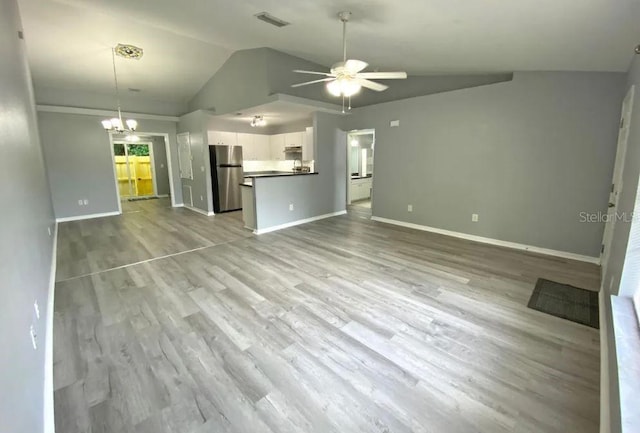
{"points": [[258, 121], [116, 124]]}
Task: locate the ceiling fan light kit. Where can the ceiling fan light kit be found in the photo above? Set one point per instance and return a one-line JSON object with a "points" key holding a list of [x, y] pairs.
{"points": [[345, 78]]}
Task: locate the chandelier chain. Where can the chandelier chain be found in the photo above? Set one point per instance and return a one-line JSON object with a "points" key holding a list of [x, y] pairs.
{"points": [[115, 79]]}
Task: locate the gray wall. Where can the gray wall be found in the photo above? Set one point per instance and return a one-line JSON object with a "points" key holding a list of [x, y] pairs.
{"points": [[311, 195], [240, 83], [79, 162], [26, 247], [160, 164], [527, 155]]}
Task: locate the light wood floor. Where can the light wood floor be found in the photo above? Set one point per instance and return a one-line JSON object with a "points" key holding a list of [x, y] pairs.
{"points": [[341, 325]]}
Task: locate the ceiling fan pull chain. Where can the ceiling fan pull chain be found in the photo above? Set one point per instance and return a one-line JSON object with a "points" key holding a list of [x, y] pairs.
{"points": [[349, 103], [342, 104]]}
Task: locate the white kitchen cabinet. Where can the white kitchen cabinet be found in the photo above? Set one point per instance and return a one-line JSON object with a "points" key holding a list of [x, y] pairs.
{"points": [[307, 144], [222, 138], [293, 139], [246, 142], [276, 146], [261, 148], [360, 189]]}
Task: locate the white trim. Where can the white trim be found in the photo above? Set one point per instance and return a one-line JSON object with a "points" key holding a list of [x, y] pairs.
{"points": [[115, 172], [87, 217], [200, 211], [605, 399], [106, 113], [153, 170], [49, 418], [298, 222], [491, 241]]}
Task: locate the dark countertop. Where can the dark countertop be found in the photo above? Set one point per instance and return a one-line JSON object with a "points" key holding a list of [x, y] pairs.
{"points": [[255, 174]]}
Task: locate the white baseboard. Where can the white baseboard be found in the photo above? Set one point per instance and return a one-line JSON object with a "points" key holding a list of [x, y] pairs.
{"points": [[491, 241], [605, 399], [49, 419], [200, 211], [298, 222], [86, 217]]}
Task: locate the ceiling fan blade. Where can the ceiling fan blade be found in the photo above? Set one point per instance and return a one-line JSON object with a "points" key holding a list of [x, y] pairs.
{"points": [[372, 85], [355, 66], [312, 82], [300, 71], [383, 75]]}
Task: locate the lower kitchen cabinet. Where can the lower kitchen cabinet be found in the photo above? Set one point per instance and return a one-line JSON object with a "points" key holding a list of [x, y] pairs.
{"points": [[360, 189]]}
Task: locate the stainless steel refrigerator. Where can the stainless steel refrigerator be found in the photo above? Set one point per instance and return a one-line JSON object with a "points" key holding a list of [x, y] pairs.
{"points": [[226, 177]]}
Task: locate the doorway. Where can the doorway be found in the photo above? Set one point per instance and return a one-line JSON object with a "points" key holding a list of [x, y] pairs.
{"points": [[360, 157], [134, 170]]}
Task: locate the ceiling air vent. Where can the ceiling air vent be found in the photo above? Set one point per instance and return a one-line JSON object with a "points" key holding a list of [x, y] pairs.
{"points": [[264, 16]]}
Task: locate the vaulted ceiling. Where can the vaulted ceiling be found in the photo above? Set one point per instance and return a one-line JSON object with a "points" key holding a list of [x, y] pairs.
{"points": [[186, 42]]}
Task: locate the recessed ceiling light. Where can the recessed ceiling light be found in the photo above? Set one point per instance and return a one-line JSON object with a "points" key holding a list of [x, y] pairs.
{"points": [[129, 51], [270, 19]]}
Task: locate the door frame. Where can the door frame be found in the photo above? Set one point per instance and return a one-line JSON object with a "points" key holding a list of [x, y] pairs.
{"points": [[167, 146], [617, 178], [152, 162], [369, 131]]}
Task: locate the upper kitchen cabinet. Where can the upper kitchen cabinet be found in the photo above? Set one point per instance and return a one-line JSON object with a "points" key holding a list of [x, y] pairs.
{"points": [[223, 138], [276, 145], [307, 144], [293, 139], [248, 149], [261, 148]]}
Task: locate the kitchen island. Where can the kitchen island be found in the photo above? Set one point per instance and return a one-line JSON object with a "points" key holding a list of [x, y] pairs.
{"points": [[254, 181]]}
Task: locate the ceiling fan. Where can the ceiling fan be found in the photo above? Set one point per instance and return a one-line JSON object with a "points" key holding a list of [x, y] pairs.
{"points": [[345, 78]]}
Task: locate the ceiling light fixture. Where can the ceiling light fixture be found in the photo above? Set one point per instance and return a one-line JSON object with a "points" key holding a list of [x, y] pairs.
{"points": [[116, 124], [258, 121]]}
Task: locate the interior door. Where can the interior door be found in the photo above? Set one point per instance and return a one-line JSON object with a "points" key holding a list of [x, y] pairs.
{"points": [[616, 183]]}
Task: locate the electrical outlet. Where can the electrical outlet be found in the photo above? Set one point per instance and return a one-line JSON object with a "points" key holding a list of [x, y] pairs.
{"points": [[80, 202], [161, 165], [410, 208], [394, 123], [202, 168], [86, 202], [201, 198], [34, 337], [474, 217], [290, 206], [36, 308], [49, 230]]}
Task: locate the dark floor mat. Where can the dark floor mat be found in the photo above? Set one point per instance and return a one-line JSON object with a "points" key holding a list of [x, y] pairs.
{"points": [[565, 301]]}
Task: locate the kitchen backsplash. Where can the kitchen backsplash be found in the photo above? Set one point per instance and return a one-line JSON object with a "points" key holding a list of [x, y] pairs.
{"points": [[251, 166]]}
